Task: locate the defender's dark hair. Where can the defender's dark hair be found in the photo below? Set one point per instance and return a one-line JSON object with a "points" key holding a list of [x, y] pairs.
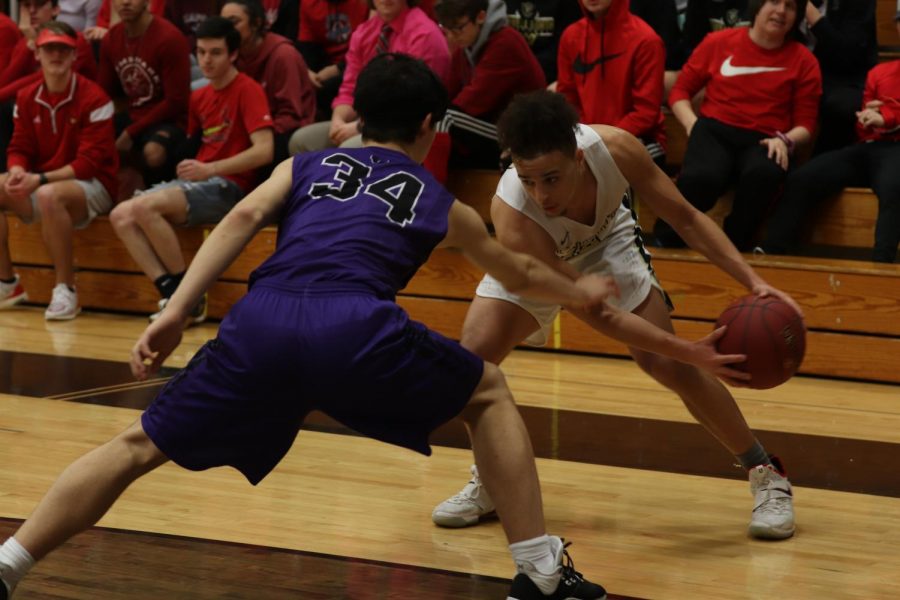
{"points": [[255, 12], [450, 11], [538, 123], [59, 27], [393, 94], [220, 28], [754, 6]]}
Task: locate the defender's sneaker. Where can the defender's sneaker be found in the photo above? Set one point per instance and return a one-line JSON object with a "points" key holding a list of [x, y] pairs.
{"points": [[572, 585], [196, 316], [465, 508], [773, 508]]}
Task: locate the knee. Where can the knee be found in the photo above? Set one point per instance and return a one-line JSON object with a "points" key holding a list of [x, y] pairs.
{"points": [[154, 155], [122, 215], [491, 392], [48, 200], [139, 449]]}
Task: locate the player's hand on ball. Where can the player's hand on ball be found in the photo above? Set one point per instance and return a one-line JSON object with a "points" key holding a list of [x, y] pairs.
{"points": [[709, 359], [764, 289]]}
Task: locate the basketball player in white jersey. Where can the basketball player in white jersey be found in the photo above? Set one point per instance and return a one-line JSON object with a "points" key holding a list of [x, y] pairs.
{"points": [[566, 200]]}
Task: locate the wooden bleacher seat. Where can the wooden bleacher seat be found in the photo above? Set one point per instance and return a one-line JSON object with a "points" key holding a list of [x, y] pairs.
{"points": [[852, 308]]}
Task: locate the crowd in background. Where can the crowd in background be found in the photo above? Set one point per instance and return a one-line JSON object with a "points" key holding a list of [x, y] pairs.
{"points": [[167, 113]]}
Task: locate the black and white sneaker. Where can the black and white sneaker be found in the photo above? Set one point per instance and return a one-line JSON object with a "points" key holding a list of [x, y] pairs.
{"points": [[572, 584]]}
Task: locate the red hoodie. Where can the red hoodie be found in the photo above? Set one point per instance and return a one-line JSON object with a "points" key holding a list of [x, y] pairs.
{"points": [[611, 69], [9, 37], [282, 73]]}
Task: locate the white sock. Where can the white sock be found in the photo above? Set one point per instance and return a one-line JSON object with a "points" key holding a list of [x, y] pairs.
{"points": [[14, 563], [539, 559]]}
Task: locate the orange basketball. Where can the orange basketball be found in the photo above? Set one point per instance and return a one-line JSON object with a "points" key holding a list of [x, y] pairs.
{"points": [[772, 335]]}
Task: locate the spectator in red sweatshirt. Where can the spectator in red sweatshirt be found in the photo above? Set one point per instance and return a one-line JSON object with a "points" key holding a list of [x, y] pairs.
{"points": [[611, 68], [232, 116], [9, 37], [762, 100], [490, 63], [23, 68], [145, 60], [106, 18], [274, 63], [62, 164]]}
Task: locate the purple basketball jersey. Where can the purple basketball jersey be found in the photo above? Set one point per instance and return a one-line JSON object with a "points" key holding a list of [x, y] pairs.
{"points": [[356, 218]]}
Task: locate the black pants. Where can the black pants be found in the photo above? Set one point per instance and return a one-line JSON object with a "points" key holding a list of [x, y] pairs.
{"points": [[873, 164], [6, 130], [719, 157], [837, 116]]}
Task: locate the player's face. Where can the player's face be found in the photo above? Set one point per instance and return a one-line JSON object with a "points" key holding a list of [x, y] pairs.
{"points": [[388, 10], [550, 180], [776, 17], [213, 57], [130, 10], [40, 12], [597, 7], [56, 59], [236, 14]]}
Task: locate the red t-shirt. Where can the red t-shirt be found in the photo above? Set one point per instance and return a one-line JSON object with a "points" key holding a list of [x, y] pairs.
{"points": [[883, 83], [329, 23], [73, 128], [9, 37], [226, 118], [750, 87], [153, 71]]}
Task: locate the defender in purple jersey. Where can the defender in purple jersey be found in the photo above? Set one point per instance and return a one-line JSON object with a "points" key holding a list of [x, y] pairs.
{"points": [[319, 329]]}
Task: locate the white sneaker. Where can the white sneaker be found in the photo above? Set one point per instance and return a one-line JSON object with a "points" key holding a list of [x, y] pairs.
{"points": [[773, 509], [12, 293], [465, 508], [161, 305], [64, 304]]}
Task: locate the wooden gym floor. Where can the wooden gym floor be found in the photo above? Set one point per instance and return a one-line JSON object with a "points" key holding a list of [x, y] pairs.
{"points": [[654, 507]]}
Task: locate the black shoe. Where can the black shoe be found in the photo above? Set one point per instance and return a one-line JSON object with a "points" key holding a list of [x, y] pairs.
{"points": [[3, 593], [572, 585]]}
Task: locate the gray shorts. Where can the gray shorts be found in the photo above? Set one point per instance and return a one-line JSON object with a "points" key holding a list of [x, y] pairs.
{"points": [[97, 200], [208, 201]]}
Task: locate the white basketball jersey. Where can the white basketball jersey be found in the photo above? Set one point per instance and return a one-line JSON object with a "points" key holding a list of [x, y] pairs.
{"points": [[612, 217]]}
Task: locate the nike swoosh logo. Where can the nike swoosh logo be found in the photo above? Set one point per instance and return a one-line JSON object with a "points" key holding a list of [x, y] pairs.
{"points": [[582, 68], [729, 70]]}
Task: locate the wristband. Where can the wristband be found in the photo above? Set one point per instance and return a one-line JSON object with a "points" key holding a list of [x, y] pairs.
{"points": [[787, 141], [42, 179]]}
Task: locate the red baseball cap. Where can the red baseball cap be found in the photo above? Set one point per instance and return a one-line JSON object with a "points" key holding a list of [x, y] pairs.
{"points": [[48, 36]]}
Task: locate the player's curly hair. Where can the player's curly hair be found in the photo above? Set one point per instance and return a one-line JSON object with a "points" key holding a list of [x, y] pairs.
{"points": [[393, 94], [538, 123]]}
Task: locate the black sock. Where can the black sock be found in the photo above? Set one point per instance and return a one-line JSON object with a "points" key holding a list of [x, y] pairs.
{"points": [[168, 283]]}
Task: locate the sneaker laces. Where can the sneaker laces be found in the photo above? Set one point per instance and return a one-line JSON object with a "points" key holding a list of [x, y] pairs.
{"points": [[471, 491], [60, 299], [770, 498], [568, 574]]}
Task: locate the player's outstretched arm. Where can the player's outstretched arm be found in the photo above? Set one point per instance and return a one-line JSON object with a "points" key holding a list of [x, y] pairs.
{"points": [[219, 250], [653, 187], [521, 273]]}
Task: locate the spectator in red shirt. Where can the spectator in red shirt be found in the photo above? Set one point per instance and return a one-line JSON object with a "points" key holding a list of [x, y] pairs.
{"points": [[106, 18], [762, 100], [9, 37], [491, 62], [274, 63], [62, 164], [611, 68], [323, 39], [232, 115], [145, 60]]}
